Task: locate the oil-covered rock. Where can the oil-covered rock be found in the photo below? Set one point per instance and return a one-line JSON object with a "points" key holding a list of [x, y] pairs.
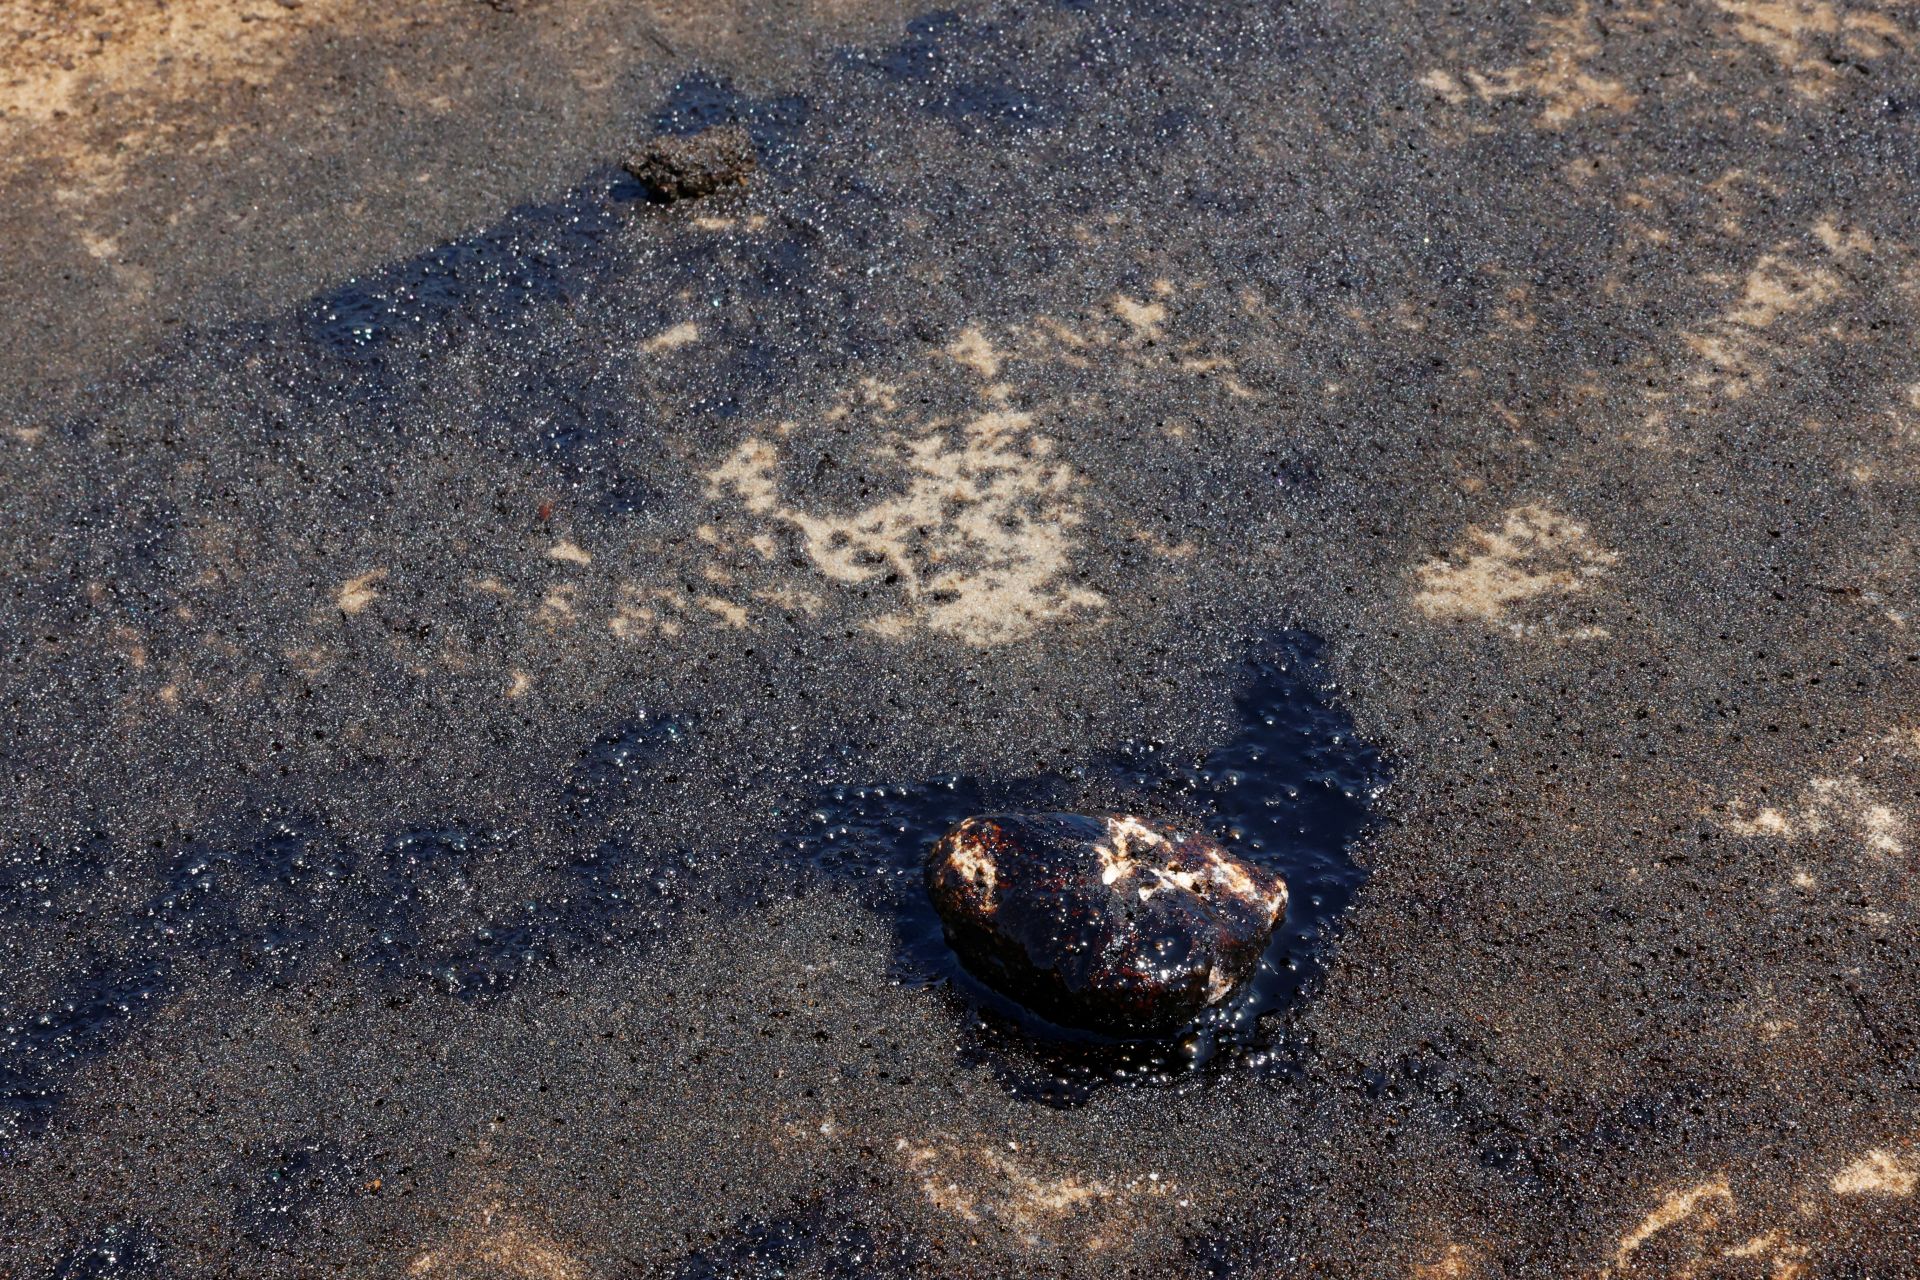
{"points": [[1112, 923], [676, 167]]}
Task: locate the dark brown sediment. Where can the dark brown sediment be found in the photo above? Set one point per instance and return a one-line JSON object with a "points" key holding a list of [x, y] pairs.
{"points": [[441, 585]]}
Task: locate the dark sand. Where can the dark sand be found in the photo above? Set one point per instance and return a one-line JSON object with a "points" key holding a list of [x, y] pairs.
{"points": [[441, 586]]}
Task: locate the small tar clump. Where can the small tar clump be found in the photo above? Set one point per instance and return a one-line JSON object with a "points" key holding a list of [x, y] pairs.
{"points": [[686, 168]]}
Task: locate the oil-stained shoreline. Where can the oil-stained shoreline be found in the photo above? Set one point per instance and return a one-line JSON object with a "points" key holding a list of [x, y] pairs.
{"points": [[1556, 366]]}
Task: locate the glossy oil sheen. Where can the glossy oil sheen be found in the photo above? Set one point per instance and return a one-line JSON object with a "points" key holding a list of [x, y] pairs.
{"points": [[1290, 791]]}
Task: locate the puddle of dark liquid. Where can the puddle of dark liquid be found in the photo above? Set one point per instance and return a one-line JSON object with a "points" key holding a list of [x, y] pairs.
{"points": [[296, 1190], [1290, 790], [275, 894], [122, 1252]]}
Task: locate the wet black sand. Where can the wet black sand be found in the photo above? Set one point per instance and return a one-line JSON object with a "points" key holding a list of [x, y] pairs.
{"points": [[428, 690]]}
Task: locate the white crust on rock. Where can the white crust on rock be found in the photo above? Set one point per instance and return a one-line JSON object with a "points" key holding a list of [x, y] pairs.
{"points": [[970, 860], [1132, 848]]}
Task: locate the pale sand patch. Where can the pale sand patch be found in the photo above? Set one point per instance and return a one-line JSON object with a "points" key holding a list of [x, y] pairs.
{"points": [[975, 534], [984, 1184], [684, 334], [128, 642], [159, 70], [1778, 286], [497, 1242], [1674, 1208], [712, 222], [1840, 240], [1878, 1172], [640, 611], [1127, 332], [729, 613], [1446, 84], [89, 91], [1825, 803], [1738, 348], [973, 350], [1144, 318], [61, 55], [557, 608], [1534, 552], [1719, 1228], [1456, 1262], [976, 542], [1801, 35], [1786, 1255], [793, 600], [1557, 76]]}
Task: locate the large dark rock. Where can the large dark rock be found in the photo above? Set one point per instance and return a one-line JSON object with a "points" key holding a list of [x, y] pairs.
{"points": [[1112, 923]]}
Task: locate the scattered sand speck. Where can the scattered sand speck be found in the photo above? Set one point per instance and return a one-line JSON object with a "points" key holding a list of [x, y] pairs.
{"points": [[357, 593]]}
